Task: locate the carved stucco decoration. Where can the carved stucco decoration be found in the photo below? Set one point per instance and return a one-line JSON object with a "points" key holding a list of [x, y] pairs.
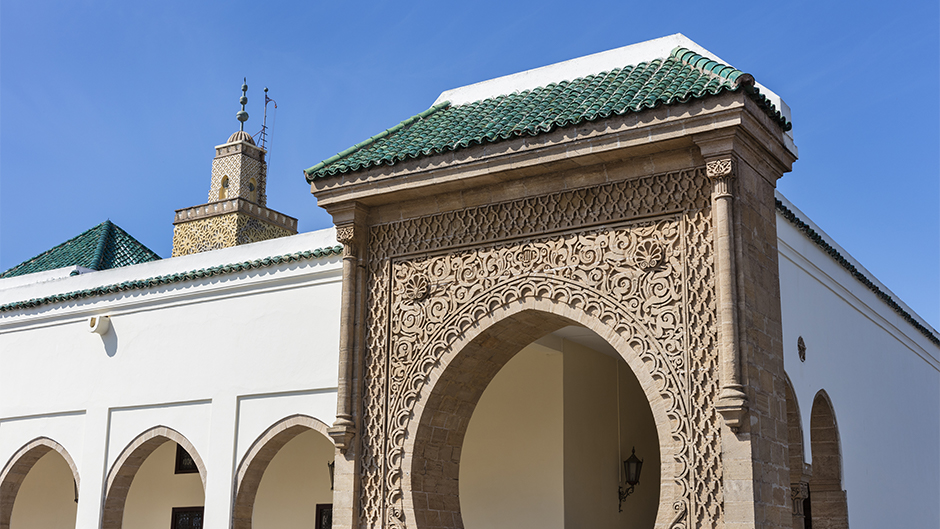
{"points": [[222, 231], [651, 280], [798, 493]]}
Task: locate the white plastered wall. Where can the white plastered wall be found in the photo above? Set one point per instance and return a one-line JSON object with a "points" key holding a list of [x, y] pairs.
{"points": [[882, 375], [217, 359]]}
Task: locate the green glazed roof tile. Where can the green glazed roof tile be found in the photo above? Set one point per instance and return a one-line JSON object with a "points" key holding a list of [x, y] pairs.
{"points": [[679, 78], [100, 248]]}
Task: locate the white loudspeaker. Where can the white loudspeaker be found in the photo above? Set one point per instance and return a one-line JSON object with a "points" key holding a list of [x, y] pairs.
{"points": [[99, 324]]}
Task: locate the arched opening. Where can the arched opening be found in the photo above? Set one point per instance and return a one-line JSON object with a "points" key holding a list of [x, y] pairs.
{"points": [[827, 499], [284, 480], [158, 481], [39, 487], [799, 473], [252, 191], [528, 423], [223, 188]]}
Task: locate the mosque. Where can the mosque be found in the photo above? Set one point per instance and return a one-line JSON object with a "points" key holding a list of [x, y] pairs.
{"points": [[565, 298]]}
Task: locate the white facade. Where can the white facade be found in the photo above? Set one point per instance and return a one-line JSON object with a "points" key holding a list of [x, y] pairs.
{"points": [[222, 359], [881, 375], [218, 359]]}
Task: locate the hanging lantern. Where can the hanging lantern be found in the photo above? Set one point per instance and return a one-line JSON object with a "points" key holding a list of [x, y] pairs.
{"points": [[631, 474]]}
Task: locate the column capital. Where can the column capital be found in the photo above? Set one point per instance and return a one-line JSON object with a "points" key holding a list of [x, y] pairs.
{"points": [[798, 493], [720, 168], [346, 234]]}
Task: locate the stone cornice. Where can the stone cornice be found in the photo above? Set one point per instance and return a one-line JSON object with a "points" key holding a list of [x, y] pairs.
{"points": [[236, 205], [240, 147]]}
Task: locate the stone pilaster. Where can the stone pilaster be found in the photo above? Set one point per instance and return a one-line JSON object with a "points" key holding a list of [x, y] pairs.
{"points": [[351, 232], [752, 400], [732, 401]]}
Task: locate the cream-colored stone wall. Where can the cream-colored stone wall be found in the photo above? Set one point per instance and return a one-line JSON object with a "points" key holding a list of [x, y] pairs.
{"points": [[156, 489], [203, 235], [637, 430], [511, 467], [542, 450], [592, 463], [296, 480], [46, 499]]}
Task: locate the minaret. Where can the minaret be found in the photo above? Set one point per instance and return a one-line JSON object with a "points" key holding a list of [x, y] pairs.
{"points": [[236, 212]]}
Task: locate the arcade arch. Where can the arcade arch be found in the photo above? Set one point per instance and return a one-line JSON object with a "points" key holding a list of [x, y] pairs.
{"points": [[799, 470], [302, 442], [150, 456], [828, 500], [38, 475], [435, 438]]}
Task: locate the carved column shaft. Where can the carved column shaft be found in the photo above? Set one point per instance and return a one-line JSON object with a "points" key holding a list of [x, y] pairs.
{"points": [[732, 402], [345, 428]]}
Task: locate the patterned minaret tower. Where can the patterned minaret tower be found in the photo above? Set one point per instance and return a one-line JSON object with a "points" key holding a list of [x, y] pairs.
{"points": [[236, 212]]}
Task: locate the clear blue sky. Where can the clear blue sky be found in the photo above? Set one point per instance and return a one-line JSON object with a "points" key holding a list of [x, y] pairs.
{"points": [[112, 109]]}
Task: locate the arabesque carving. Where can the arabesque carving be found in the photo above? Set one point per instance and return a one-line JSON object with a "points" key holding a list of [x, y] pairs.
{"points": [[651, 281], [222, 231]]}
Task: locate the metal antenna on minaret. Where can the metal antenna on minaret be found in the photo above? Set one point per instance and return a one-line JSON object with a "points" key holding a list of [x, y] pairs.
{"points": [[264, 121]]}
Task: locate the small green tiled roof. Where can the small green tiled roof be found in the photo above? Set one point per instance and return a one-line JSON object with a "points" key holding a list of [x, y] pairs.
{"points": [[679, 78], [100, 248]]}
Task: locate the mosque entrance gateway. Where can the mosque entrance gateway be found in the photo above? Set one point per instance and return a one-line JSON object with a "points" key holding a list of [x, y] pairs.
{"points": [[652, 229], [443, 317]]}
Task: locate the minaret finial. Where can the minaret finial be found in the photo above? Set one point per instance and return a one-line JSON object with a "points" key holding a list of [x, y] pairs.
{"points": [[242, 116]]}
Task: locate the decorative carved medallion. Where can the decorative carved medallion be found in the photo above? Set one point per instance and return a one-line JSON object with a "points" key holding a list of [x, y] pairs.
{"points": [[651, 281], [648, 254]]}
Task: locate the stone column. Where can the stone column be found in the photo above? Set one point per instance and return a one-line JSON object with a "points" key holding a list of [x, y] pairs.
{"points": [[743, 169], [732, 401], [351, 232], [344, 428]]}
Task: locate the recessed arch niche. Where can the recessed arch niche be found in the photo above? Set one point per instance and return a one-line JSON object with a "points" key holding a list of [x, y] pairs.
{"points": [[251, 470], [127, 465]]}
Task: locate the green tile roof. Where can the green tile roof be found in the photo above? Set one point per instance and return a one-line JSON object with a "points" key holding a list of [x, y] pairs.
{"points": [[100, 248], [679, 78]]}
